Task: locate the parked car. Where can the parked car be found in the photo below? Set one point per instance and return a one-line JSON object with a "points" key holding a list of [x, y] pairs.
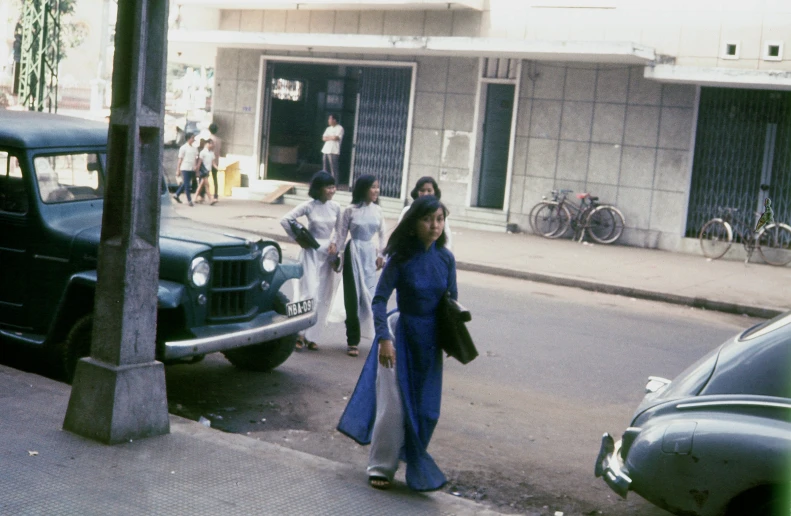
{"points": [[717, 439], [217, 291]]}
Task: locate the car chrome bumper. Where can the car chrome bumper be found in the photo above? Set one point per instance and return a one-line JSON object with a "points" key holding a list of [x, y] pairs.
{"points": [[264, 328], [610, 466]]}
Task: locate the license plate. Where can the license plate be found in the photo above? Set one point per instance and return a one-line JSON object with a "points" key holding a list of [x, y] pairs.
{"points": [[300, 307]]}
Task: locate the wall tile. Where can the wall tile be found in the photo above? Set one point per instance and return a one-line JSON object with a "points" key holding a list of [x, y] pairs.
{"points": [[246, 94], [672, 170], [404, 23], [576, 121], [580, 84], [439, 23], [466, 23], [322, 22], [432, 73], [224, 94], [604, 163], [545, 119], [612, 85], [456, 146], [678, 95], [244, 129], [542, 157], [520, 156], [637, 166], [675, 130], [227, 63], [372, 22], [642, 126], [573, 160], [429, 110], [635, 204], [230, 19], [463, 75], [298, 21], [607, 194], [459, 112], [426, 147], [517, 193], [416, 171], [550, 81], [524, 110], [346, 22], [252, 21], [249, 65], [274, 21], [667, 212], [608, 123], [641, 90], [535, 189]]}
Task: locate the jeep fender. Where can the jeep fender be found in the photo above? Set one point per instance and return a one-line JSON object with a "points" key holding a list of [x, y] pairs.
{"points": [[79, 297]]}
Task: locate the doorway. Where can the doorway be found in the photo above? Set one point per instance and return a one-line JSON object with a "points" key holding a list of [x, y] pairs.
{"points": [[495, 145]]}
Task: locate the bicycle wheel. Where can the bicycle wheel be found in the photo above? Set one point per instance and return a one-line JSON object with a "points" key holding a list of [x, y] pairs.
{"points": [[605, 224], [774, 244], [532, 216], [716, 238], [551, 220]]}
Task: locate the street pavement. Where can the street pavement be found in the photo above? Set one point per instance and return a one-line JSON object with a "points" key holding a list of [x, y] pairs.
{"points": [[198, 470], [755, 289]]}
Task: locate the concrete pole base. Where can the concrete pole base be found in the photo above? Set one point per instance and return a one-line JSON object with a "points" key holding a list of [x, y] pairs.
{"points": [[113, 404]]}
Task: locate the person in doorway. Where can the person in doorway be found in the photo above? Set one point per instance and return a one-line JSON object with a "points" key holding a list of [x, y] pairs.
{"points": [[206, 157], [217, 155], [318, 281], [331, 152], [396, 403], [188, 163], [361, 257], [426, 185]]}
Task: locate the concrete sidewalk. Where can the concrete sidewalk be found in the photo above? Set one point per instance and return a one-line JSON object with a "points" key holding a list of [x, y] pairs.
{"points": [[756, 289], [194, 470]]}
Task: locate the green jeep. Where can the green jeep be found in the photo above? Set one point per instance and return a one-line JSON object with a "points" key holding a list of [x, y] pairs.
{"points": [[217, 291]]}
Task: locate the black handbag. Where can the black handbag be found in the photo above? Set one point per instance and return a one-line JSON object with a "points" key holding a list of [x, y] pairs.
{"points": [[453, 336], [303, 236]]}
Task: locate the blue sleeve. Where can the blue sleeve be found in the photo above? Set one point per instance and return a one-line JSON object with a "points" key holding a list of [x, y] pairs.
{"points": [[452, 287], [385, 287]]}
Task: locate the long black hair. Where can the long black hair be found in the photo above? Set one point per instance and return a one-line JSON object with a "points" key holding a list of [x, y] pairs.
{"points": [[404, 242], [319, 180], [361, 187], [420, 182]]}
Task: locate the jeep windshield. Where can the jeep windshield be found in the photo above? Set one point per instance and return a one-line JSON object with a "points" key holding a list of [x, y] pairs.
{"points": [[70, 177]]}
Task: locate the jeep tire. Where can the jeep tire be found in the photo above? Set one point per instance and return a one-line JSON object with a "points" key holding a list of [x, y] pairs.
{"points": [[76, 345], [267, 355]]}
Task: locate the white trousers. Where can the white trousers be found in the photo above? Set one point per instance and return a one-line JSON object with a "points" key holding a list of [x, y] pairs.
{"points": [[388, 433]]}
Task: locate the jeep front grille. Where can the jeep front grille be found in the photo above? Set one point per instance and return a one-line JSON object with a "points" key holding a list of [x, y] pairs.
{"points": [[231, 288]]}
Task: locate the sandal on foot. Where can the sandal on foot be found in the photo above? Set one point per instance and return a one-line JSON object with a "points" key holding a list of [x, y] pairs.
{"points": [[312, 346], [378, 482], [352, 351], [299, 344]]}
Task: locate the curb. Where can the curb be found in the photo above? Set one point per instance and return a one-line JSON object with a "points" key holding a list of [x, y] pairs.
{"points": [[618, 290]]}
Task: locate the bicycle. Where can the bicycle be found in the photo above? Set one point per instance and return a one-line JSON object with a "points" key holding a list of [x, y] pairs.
{"points": [[604, 223], [773, 241]]}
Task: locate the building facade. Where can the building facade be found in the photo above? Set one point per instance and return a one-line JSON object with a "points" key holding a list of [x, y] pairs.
{"points": [[668, 111]]}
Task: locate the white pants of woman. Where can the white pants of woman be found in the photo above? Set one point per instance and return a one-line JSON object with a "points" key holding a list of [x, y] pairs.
{"points": [[387, 438]]}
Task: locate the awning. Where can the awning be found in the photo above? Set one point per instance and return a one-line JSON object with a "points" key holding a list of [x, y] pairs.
{"points": [[721, 77], [338, 5], [579, 51]]}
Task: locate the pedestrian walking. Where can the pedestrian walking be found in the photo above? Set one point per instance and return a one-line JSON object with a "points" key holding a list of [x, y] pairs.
{"points": [[426, 185], [396, 403], [218, 153], [331, 151], [188, 162], [362, 258], [318, 281], [206, 161]]}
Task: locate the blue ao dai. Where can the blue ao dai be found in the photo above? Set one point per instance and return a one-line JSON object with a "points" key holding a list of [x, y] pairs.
{"points": [[318, 281]]}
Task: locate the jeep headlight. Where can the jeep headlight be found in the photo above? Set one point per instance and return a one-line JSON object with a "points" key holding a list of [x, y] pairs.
{"points": [[199, 271], [270, 257]]}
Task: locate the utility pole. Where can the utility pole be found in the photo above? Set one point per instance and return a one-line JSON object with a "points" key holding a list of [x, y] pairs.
{"points": [[40, 55], [119, 391]]}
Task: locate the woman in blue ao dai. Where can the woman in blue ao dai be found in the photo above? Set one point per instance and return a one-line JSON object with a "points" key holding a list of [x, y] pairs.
{"points": [[396, 403], [318, 280]]}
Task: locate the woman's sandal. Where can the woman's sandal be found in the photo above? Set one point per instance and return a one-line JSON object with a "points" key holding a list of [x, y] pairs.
{"points": [[352, 351], [299, 344], [378, 482], [312, 345]]}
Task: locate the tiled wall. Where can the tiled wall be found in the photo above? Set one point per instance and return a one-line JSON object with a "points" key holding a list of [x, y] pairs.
{"points": [[608, 131]]}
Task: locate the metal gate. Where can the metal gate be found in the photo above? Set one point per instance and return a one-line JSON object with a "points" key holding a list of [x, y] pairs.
{"points": [[742, 155], [382, 116]]}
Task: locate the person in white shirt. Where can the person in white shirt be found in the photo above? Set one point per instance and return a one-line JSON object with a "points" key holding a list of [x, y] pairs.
{"points": [[331, 152], [188, 163], [206, 163]]}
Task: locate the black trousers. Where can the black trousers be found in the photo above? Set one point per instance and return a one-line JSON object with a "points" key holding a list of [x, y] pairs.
{"points": [[214, 177], [350, 300]]}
